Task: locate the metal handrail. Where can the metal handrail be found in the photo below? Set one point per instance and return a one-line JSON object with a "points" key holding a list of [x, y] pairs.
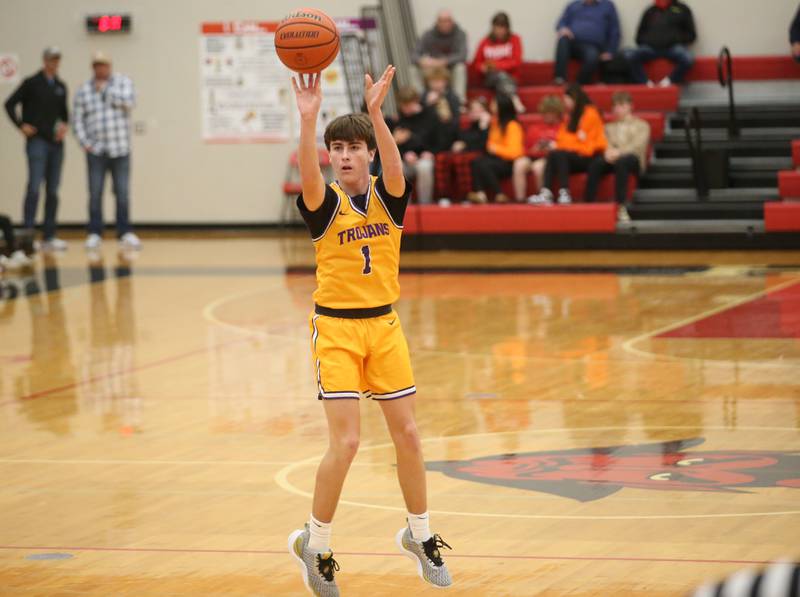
{"points": [[725, 75], [691, 120]]}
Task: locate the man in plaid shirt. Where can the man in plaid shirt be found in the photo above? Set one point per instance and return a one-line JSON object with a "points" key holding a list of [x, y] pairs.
{"points": [[102, 124]]}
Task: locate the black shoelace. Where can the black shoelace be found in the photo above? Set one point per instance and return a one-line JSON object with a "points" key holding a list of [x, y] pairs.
{"points": [[327, 566], [432, 547]]}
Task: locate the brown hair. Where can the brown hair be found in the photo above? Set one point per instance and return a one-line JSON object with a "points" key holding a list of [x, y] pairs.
{"points": [[407, 95], [438, 73], [551, 104], [351, 127], [500, 20], [621, 97]]}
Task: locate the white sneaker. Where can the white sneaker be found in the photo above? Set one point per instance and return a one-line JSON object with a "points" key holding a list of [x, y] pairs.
{"points": [[93, 242], [445, 202], [18, 260], [130, 241], [564, 198], [650, 84], [665, 82], [545, 197], [54, 244], [623, 215]]}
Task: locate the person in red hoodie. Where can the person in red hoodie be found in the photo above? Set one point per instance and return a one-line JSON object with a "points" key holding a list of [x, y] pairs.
{"points": [[580, 137], [539, 137], [498, 59]]}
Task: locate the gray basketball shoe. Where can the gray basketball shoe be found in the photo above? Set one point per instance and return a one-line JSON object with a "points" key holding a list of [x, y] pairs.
{"points": [[317, 568], [426, 555]]}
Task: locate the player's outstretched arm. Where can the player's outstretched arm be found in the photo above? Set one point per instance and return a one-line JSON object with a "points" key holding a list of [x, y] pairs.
{"points": [[309, 98], [374, 94]]}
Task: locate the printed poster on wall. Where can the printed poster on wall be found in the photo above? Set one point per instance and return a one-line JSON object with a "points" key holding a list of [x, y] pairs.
{"points": [[243, 84], [246, 90]]}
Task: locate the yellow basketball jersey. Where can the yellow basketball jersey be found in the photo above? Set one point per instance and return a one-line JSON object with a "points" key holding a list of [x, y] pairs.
{"points": [[358, 255]]}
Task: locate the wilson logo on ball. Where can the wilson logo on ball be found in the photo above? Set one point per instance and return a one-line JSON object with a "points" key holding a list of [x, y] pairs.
{"points": [[303, 15], [307, 40]]}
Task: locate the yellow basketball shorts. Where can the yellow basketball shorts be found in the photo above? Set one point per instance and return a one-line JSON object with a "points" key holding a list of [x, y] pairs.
{"points": [[361, 356]]}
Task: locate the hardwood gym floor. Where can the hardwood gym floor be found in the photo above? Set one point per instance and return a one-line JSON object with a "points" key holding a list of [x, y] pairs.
{"points": [[596, 423]]}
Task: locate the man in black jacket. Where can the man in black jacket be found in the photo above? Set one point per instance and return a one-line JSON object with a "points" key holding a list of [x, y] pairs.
{"points": [[417, 132], [665, 31], [794, 36], [43, 124]]}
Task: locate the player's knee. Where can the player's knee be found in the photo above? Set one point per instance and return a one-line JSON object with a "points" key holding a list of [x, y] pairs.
{"points": [[346, 446], [408, 436]]}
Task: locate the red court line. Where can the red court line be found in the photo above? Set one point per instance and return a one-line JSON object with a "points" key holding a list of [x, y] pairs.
{"points": [[91, 380], [384, 555]]}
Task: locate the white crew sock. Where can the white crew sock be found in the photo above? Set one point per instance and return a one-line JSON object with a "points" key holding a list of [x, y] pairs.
{"points": [[320, 540], [420, 526]]}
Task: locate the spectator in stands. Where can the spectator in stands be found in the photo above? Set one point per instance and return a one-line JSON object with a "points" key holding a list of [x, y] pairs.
{"points": [[453, 168], [443, 46], [794, 36], [102, 114], [665, 31], [43, 123], [539, 138], [505, 144], [416, 133], [589, 31], [12, 257], [499, 58], [441, 98], [626, 154], [580, 137]]}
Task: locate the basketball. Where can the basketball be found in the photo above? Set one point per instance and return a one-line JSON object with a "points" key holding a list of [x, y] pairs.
{"points": [[307, 40]]}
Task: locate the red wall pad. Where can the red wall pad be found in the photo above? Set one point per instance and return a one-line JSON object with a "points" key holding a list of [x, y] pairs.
{"points": [[782, 216], [796, 152], [789, 184], [511, 219]]}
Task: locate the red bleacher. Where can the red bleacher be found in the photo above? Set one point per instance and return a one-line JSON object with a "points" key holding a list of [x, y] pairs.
{"points": [[663, 99], [789, 184], [782, 216], [745, 68], [656, 120], [509, 219], [577, 187]]}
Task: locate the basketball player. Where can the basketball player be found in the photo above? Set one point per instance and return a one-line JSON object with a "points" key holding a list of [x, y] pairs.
{"points": [[357, 342]]}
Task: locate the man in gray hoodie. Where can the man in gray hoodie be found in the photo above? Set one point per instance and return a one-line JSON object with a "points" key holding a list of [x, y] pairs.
{"points": [[444, 44]]}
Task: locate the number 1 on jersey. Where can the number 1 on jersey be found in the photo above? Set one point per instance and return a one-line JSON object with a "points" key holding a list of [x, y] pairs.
{"points": [[367, 260]]}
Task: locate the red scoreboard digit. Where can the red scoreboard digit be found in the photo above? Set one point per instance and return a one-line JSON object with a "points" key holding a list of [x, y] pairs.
{"points": [[108, 23]]}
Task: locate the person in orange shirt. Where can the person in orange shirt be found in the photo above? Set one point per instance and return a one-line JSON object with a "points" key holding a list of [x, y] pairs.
{"points": [[579, 139], [505, 145]]}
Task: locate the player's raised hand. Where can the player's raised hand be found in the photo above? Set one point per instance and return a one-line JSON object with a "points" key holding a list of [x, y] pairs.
{"points": [[308, 94], [375, 92]]}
